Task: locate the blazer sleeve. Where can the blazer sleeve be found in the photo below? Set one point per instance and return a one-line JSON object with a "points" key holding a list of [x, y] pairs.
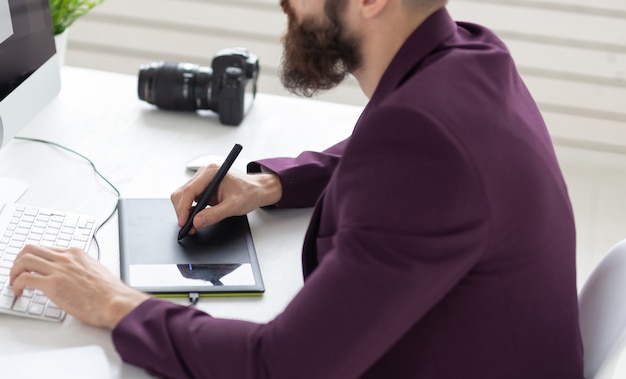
{"points": [[411, 222], [304, 177]]}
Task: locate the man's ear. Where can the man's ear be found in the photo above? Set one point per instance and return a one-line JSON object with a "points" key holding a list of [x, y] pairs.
{"points": [[372, 8]]}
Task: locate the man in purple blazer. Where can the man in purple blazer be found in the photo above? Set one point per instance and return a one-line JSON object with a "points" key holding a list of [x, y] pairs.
{"points": [[442, 244]]}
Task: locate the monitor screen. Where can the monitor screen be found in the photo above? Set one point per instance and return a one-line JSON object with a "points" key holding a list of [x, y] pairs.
{"points": [[29, 66]]}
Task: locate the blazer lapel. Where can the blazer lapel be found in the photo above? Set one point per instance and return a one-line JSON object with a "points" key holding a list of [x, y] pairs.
{"points": [[309, 249]]}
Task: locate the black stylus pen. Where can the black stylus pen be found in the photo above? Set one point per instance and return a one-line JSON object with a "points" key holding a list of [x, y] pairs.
{"points": [[210, 190]]}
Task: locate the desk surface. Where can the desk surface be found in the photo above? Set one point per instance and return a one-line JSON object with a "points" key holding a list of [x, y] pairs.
{"points": [[143, 152]]}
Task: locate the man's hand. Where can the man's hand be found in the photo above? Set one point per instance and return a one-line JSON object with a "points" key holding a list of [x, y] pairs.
{"points": [[237, 195], [76, 282]]}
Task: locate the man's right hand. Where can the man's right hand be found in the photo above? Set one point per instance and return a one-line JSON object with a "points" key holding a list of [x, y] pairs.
{"points": [[237, 195]]}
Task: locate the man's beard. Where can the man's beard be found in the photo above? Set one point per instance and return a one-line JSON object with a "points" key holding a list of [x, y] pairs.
{"points": [[318, 54]]}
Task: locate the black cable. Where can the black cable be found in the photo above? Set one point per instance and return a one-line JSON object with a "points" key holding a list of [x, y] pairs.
{"points": [[95, 169], [95, 240]]}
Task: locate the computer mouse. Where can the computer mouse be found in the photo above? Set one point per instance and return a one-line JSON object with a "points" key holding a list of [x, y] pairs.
{"points": [[203, 160]]}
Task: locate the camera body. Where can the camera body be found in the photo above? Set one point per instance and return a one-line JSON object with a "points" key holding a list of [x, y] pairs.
{"points": [[228, 87]]}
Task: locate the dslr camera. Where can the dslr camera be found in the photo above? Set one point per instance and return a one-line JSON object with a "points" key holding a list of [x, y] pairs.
{"points": [[228, 87]]}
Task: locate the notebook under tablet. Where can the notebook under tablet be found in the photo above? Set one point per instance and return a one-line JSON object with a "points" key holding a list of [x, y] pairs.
{"points": [[218, 260]]}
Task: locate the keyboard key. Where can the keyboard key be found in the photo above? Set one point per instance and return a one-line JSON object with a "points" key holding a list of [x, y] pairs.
{"points": [[6, 302], [8, 291], [71, 221], [37, 229], [53, 313], [29, 211], [62, 243], [40, 223], [55, 224], [21, 304], [16, 244], [45, 217], [34, 239], [86, 223], [79, 244], [65, 236], [13, 250], [58, 217], [28, 218], [35, 309], [81, 236], [40, 299], [9, 258]]}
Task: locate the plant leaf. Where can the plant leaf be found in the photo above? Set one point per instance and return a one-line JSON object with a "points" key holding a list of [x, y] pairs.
{"points": [[65, 12]]}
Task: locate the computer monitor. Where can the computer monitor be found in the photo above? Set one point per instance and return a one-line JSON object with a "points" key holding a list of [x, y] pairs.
{"points": [[29, 67]]}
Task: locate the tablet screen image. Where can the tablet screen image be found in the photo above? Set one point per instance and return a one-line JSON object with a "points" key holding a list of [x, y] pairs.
{"points": [[195, 275], [218, 260]]}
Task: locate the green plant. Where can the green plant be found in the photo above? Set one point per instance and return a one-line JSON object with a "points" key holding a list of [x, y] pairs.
{"points": [[65, 12]]}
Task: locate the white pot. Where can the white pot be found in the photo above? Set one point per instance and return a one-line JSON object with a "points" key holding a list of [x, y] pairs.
{"points": [[60, 40]]}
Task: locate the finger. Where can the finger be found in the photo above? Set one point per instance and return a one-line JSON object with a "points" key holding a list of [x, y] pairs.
{"points": [[181, 208], [183, 198], [213, 215], [28, 280], [28, 272], [33, 258], [43, 252], [29, 263]]}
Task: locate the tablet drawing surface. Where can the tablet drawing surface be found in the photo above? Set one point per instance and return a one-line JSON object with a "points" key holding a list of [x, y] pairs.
{"points": [[218, 260]]}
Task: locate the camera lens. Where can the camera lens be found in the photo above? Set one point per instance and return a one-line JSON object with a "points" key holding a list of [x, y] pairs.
{"points": [[177, 86]]}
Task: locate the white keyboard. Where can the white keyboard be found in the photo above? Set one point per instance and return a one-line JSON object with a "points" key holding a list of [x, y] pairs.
{"points": [[21, 225]]}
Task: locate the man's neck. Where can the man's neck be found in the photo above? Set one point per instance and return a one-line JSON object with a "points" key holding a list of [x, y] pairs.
{"points": [[382, 39]]}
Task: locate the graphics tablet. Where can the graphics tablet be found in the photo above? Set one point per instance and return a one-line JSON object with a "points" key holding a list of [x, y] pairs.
{"points": [[218, 260]]}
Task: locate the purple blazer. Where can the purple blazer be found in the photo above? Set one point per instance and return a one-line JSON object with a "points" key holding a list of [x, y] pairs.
{"points": [[442, 244]]}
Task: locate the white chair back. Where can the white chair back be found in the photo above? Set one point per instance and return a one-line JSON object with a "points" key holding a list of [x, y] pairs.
{"points": [[602, 306]]}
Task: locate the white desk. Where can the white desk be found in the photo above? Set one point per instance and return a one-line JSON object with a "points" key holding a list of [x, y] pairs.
{"points": [[143, 151]]}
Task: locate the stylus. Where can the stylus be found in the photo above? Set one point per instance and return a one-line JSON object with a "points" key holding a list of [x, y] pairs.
{"points": [[210, 190]]}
